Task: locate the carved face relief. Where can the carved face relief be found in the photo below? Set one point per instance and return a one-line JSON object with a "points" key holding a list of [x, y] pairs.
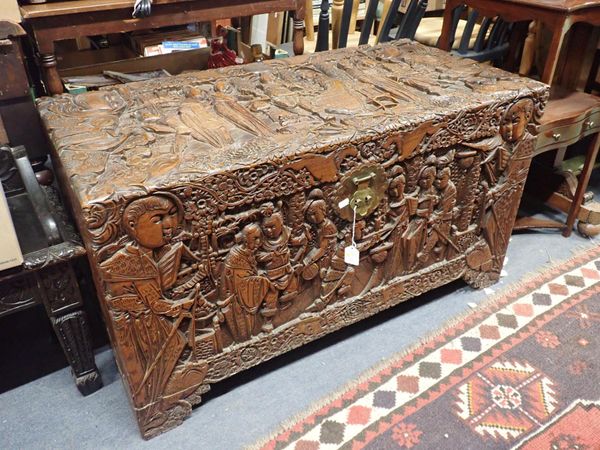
{"points": [[272, 226], [151, 221], [396, 188], [426, 179], [316, 212], [516, 119], [252, 237], [442, 179], [100, 101]]}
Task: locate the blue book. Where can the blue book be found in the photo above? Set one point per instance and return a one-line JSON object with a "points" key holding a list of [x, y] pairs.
{"points": [[177, 45]]}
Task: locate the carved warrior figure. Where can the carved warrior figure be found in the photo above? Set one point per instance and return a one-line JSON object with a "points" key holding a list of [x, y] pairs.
{"points": [[244, 290], [399, 216], [444, 214], [274, 254], [418, 235], [324, 236], [513, 129], [148, 325]]}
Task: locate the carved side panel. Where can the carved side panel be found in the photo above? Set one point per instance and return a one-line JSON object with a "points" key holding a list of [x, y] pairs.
{"points": [[17, 294], [60, 289], [205, 279]]}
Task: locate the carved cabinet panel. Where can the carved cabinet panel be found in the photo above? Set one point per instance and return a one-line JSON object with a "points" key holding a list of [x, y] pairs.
{"points": [[217, 207]]}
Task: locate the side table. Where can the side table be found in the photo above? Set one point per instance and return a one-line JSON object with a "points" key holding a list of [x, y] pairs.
{"points": [[570, 116], [558, 15], [50, 22], [49, 245], [567, 119]]}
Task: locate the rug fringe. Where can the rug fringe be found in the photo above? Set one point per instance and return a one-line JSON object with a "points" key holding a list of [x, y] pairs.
{"points": [[541, 275]]}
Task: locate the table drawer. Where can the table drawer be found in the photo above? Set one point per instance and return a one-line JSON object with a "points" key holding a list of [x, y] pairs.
{"points": [[568, 134]]}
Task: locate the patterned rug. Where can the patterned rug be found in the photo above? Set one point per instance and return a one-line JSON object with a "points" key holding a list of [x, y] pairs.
{"points": [[521, 372]]}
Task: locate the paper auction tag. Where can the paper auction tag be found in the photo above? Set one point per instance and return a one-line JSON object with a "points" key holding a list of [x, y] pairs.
{"points": [[344, 203], [351, 255]]}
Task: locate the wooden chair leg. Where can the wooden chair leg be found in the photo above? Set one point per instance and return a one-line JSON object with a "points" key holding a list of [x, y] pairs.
{"points": [[336, 22], [386, 8], [528, 56], [52, 80], [355, 5], [323, 34], [62, 299], [309, 21], [298, 33], [584, 178]]}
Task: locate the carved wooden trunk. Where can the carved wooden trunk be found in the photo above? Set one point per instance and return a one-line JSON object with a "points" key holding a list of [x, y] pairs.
{"points": [[210, 202]]}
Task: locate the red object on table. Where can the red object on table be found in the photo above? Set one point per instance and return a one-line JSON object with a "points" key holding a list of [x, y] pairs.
{"points": [[220, 54]]}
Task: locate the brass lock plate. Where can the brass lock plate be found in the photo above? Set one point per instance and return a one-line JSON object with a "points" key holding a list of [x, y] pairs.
{"points": [[363, 187]]}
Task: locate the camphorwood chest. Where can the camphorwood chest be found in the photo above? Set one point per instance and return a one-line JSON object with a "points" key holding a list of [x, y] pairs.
{"points": [[217, 206]]}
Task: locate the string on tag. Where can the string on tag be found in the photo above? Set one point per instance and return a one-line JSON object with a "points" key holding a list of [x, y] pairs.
{"points": [[351, 253], [353, 225]]}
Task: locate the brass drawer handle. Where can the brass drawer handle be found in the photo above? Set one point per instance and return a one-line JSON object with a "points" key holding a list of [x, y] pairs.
{"points": [[556, 136], [588, 124]]}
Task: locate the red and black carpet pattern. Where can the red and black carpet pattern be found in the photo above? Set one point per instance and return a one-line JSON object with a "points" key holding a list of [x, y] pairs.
{"points": [[522, 372]]}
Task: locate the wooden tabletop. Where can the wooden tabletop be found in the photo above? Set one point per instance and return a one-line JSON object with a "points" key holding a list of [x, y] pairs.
{"points": [[159, 132], [567, 106], [565, 6], [34, 11]]}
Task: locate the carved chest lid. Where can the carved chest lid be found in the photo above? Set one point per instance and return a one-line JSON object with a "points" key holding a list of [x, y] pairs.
{"points": [[166, 132]]}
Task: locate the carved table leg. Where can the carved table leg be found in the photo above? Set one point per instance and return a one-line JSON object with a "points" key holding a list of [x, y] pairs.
{"points": [[62, 299], [298, 37], [52, 79]]}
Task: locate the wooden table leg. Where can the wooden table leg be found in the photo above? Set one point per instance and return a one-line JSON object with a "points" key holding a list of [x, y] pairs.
{"points": [[528, 55], [584, 178], [62, 299], [444, 39], [559, 30], [52, 79], [298, 36]]}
